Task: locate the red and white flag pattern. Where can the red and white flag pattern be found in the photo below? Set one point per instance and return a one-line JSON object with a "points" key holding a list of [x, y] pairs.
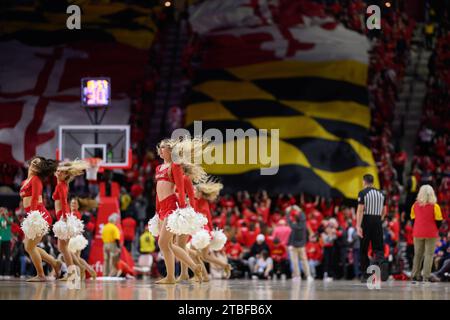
{"points": [[40, 90]]}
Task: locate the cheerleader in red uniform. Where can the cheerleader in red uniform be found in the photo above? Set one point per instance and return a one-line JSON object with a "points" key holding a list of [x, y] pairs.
{"points": [[68, 224], [170, 176], [38, 220], [211, 240], [182, 239], [78, 243]]}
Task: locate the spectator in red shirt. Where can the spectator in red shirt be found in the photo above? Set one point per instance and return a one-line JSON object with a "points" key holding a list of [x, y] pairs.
{"points": [[307, 205], [326, 207], [263, 211], [274, 218], [248, 214], [314, 254], [408, 233], [278, 253], [137, 189], [234, 249], [248, 235], [227, 201], [129, 231], [123, 269]]}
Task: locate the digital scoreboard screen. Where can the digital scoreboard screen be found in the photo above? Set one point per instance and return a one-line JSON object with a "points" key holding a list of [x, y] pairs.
{"points": [[95, 92]]}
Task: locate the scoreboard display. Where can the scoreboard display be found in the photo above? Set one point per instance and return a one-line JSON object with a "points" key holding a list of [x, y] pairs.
{"points": [[96, 92]]}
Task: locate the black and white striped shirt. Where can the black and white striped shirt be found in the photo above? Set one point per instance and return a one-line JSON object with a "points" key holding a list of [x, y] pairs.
{"points": [[373, 200]]}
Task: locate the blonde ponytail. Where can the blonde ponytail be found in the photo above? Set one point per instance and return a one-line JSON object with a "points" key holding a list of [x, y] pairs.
{"points": [[73, 168], [210, 189], [188, 153]]}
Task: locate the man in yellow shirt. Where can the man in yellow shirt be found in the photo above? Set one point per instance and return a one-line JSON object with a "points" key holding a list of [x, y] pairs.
{"points": [[146, 242], [111, 245]]}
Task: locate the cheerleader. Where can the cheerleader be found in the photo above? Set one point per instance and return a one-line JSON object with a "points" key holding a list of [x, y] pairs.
{"points": [[183, 239], [68, 224], [208, 239], [38, 220], [170, 207], [76, 245]]}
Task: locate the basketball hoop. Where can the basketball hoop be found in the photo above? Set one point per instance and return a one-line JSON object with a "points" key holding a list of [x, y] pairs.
{"points": [[94, 168]]}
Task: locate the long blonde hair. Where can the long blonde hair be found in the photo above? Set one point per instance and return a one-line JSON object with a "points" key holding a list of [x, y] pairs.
{"points": [[209, 189], [73, 168], [86, 204], [188, 152], [426, 195]]}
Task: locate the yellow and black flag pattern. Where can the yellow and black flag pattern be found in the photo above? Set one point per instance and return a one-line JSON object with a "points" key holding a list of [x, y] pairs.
{"points": [[44, 24], [321, 111]]}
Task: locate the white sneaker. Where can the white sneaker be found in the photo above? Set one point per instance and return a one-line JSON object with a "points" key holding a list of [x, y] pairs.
{"points": [[6, 277], [328, 279], [254, 277], [296, 279], [23, 277], [310, 279], [1, 277]]}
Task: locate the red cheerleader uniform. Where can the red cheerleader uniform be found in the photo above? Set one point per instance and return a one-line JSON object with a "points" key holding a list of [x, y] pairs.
{"points": [[203, 208], [33, 189], [166, 206], [60, 194]]}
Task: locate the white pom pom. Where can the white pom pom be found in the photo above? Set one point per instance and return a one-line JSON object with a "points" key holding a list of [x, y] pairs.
{"points": [[154, 225], [218, 240], [34, 225], [68, 228], [74, 225], [60, 230], [77, 243], [185, 221], [201, 239]]}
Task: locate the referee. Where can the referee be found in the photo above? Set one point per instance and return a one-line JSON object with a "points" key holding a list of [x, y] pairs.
{"points": [[369, 216]]}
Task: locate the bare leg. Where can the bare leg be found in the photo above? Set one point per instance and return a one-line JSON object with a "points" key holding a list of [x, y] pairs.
{"points": [[210, 258], [181, 242], [55, 263], [86, 266], [183, 256], [205, 274], [165, 237], [31, 249], [78, 263], [63, 247], [196, 257]]}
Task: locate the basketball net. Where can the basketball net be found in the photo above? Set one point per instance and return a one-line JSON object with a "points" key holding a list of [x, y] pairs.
{"points": [[94, 167]]}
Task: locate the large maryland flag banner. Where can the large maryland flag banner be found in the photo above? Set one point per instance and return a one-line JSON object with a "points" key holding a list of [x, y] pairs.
{"points": [[285, 65], [42, 63]]}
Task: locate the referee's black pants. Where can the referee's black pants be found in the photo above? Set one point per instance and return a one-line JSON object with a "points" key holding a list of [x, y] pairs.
{"points": [[372, 233]]}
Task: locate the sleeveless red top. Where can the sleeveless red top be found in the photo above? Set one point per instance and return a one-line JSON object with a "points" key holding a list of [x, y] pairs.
{"points": [[425, 220], [163, 174], [32, 189], [178, 178]]}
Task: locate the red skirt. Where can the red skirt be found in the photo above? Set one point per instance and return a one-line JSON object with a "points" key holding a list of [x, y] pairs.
{"points": [[167, 206], [41, 208]]}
